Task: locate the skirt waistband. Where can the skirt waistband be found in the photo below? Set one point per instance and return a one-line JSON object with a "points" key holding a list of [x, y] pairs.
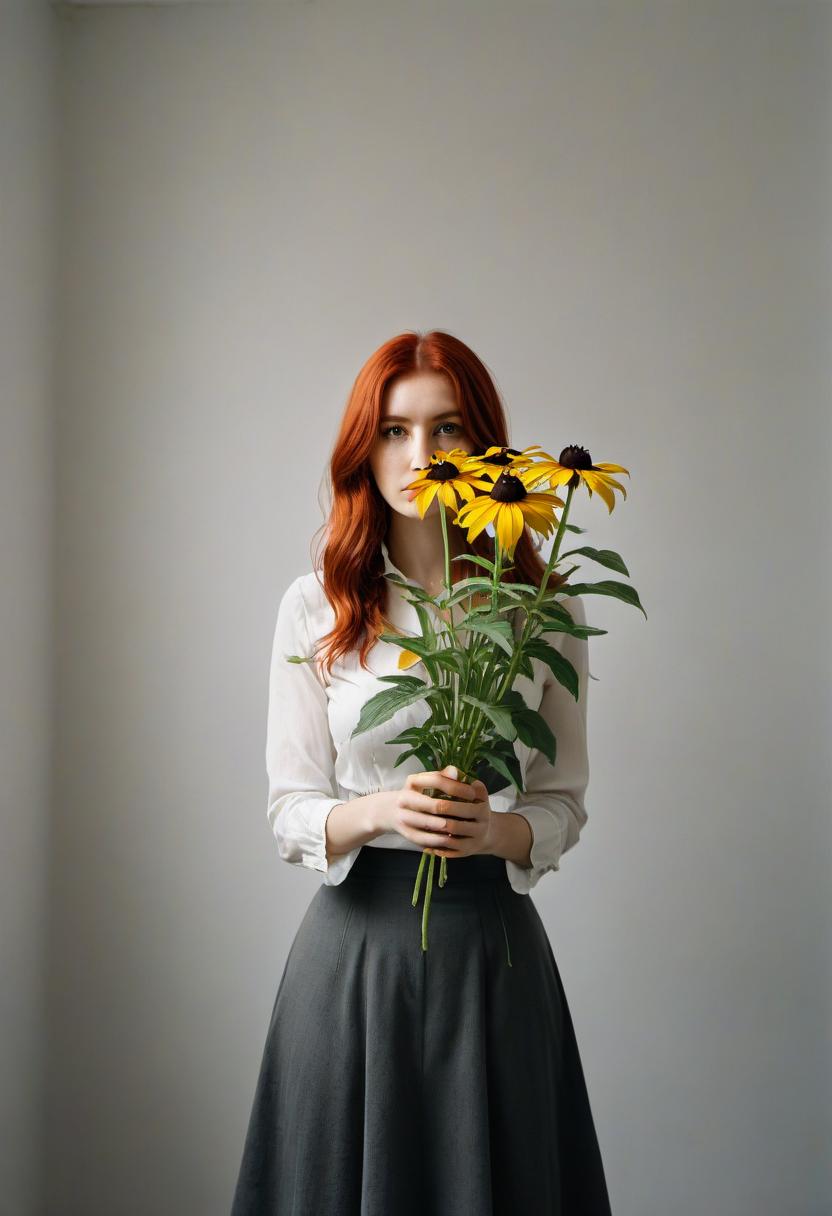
{"points": [[375, 861]]}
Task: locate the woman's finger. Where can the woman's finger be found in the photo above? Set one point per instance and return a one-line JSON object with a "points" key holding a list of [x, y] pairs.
{"points": [[414, 801], [447, 828], [434, 839], [444, 779]]}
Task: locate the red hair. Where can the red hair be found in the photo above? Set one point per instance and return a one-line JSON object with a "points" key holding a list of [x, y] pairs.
{"points": [[353, 564]]}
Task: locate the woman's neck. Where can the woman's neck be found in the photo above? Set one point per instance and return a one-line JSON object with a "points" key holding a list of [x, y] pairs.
{"points": [[417, 549]]}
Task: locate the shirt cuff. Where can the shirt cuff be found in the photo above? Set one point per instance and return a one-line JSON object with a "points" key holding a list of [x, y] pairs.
{"points": [[334, 871], [544, 855]]}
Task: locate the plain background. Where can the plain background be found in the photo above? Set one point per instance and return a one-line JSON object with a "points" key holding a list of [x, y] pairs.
{"points": [[211, 215]]}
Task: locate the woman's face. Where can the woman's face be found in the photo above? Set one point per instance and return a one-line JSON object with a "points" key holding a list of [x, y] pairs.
{"points": [[419, 417]]}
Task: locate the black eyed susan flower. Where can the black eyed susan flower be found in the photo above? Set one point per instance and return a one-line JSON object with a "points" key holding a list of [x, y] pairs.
{"points": [[496, 460], [509, 504], [443, 478], [574, 466]]}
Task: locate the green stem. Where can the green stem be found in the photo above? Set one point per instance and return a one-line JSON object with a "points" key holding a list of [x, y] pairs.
{"points": [[419, 873], [541, 591], [426, 905], [469, 714], [451, 626], [473, 739], [443, 869]]}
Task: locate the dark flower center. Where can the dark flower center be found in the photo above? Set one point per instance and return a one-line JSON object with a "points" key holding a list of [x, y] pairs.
{"points": [[504, 456], [575, 457], [508, 488], [443, 470]]}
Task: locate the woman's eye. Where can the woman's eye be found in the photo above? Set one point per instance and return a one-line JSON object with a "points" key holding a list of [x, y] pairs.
{"points": [[389, 430]]}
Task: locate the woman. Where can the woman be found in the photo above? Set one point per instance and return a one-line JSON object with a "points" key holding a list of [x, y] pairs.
{"points": [[444, 1082]]}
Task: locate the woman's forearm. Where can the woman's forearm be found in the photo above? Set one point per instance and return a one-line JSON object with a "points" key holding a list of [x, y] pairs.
{"points": [[354, 823], [512, 837]]}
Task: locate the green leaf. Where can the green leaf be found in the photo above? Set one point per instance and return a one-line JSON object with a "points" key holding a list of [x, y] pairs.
{"points": [[514, 589], [412, 734], [418, 646], [496, 770], [501, 718], [550, 595], [556, 610], [604, 557], [498, 631], [559, 625], [405, 755], [465, 588], [476, 611], [539, 649], [405, 682], [608, 586], [416, 594], [524, 666], [399, 639], [536, 733], [475, 557], [388, 702], [422, 740], [561, 668], [452, 659], [425, 754]]}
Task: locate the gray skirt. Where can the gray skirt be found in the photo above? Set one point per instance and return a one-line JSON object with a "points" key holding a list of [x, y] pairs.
{"points": [[396, 1081]]}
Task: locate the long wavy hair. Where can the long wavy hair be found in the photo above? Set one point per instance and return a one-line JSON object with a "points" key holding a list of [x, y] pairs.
{"points": [[352, 564]]}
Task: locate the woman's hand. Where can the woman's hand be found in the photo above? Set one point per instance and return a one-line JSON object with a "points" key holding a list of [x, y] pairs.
{"points": [[439, 825]]}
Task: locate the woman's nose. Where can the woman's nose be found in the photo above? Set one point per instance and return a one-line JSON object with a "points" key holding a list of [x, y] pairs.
{"points": [[422, 451]]}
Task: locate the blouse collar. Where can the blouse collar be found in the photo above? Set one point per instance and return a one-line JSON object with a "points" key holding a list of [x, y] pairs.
{"points": [[389, 568]]}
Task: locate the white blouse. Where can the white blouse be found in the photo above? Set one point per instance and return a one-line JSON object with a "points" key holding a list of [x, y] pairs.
{"points": [[313, 765]]}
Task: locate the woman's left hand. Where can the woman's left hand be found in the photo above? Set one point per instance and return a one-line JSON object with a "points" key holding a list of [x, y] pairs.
{"points": [[469, 829]]}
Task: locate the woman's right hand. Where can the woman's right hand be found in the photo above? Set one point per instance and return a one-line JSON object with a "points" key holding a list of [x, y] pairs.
{"points": [[426, 821]]}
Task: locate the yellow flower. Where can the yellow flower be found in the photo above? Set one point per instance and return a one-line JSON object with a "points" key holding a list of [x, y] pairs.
{"points": [[509, 505], [574, 465], [407, 658], [496, 460], [443, 479]]}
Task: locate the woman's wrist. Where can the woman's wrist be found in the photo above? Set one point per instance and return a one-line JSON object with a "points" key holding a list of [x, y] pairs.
{"points": [[355, 822], [380, 811], [511, 837]]}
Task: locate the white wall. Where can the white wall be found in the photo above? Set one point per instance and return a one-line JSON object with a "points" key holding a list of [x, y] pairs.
{"points": [[625, 210], [26, 298]]}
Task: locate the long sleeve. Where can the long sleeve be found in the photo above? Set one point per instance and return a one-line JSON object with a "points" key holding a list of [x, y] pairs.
{"points": [[553, 801], [300, 753]]}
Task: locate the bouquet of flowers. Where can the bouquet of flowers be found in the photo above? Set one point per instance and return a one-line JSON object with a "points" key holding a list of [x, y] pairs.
{"points": [[475, 713]]}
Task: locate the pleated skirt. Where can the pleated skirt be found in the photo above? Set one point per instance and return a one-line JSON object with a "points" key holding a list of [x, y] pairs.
{"points": [[396, 1081]]}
